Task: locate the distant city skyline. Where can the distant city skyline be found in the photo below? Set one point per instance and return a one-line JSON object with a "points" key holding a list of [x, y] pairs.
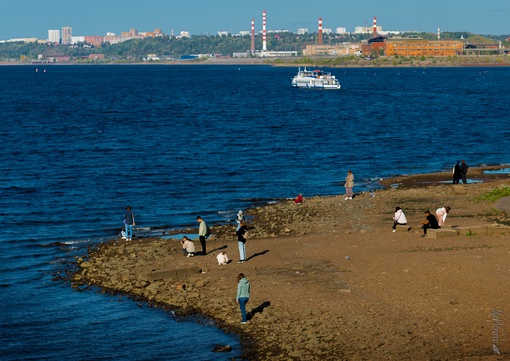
{"points": [[33, 18]]}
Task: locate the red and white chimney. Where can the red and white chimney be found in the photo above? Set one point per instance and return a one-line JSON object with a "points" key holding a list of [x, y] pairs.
{"points": [[375, 27], [252, 48], [264, 31], [319, 39]]}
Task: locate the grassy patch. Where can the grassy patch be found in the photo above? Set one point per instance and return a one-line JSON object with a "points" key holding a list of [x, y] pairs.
{"points": [[494, 195], [446, 249]]}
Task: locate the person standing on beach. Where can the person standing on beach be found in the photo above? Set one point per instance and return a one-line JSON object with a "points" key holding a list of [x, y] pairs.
{"points": [[242, 235], [463, 169], [430, 222], [399, 218], [441, 214], [457, 173], [239, 219], [202, 233], [243, 295], [129, 222], [349, 184]]}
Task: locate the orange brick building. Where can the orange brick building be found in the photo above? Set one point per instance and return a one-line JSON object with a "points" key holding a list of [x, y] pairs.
{"points": [[421, 47]]}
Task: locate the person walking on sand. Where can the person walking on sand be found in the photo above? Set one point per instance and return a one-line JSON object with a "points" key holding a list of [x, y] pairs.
{"points": [[399, 218], [129, 223], [242, 236], [349, 184], [441, 214], [202, 233], [243, 295], [463, 169], [430, 222]]}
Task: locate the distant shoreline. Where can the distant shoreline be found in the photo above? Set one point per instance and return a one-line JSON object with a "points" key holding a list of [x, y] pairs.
{"points": [[440, 62]]}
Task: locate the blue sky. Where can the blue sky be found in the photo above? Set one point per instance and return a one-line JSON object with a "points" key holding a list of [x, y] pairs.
{"points": [[33, 18]]}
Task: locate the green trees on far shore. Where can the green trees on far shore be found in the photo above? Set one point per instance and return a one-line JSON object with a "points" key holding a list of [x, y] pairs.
{"points": [[166, 47]]}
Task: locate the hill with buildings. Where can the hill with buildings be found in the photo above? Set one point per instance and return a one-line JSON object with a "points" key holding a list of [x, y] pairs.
{"points": [[311, 48]]}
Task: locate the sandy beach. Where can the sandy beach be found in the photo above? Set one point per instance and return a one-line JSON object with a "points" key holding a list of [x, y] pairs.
{"points": [[331, 281]]}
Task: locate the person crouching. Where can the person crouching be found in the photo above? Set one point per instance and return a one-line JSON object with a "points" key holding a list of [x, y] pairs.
{"points": [[222, 258], [188, 247]]}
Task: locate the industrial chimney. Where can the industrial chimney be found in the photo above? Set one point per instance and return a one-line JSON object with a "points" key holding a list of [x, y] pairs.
{"points": [[264, 47], [375, 27], [319, 39], [252, 48]]}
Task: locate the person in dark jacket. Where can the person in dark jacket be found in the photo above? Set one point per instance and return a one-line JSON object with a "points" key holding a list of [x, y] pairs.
{"points": [[242, 235], [463, 169], [430, 222], [129, 222], [457, 173]]}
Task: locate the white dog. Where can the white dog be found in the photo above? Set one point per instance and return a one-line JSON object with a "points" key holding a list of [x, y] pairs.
{"points": [[222, 258]]}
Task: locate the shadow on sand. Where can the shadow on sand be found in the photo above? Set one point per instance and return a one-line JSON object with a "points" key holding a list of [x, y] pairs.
{"points": [[258, 309]]}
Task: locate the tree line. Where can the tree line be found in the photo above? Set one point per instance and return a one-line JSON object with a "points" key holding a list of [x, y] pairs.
{"points": [[168, 47]]}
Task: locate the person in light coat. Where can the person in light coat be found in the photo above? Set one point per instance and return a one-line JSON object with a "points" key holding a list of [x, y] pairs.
{"points": [[399, 218], [441, 214], [243, 295], [222, 258]]}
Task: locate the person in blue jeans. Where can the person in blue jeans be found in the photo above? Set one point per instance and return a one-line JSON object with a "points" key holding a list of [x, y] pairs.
{"points": [[242, 235], [243, 295], [129, 222]]}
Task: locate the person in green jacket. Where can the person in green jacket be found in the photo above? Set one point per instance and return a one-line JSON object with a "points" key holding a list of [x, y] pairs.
{"points": [[243, 295]]}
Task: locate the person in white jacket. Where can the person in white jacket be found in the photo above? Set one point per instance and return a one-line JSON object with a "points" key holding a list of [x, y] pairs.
{"points": [[441, 214], [222, 258], [399, 218]]}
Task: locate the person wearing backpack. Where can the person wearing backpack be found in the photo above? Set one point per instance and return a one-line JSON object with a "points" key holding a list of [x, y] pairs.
{"points": [[202, 234], [242, 236]]}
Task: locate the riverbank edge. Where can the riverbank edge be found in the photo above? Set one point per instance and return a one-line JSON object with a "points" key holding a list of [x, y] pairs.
{"points": [[251, 344], [458, 63]]}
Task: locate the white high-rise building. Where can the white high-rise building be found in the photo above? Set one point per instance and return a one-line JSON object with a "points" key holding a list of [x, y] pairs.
{"points": [[302, 31], [53, 36], [341, 30]]}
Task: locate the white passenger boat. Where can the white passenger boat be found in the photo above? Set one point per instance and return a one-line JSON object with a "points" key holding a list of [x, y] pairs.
{"points": [[315, 79]]}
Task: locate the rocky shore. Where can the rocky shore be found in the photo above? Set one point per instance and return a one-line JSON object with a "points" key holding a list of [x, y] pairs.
{"points": [[330, 281]]}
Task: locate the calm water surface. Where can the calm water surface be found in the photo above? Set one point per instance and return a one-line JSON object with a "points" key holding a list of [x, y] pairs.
{"points": [[79, 143]]}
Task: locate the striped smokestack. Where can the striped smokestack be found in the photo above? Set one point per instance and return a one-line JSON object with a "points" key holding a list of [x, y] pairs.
{"points": [[375, 27], [264, 47], [319, 40], [252, 48]]}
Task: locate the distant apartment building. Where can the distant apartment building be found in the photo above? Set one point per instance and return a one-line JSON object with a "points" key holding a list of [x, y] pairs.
{"points": [[302, 31], [341, 30], [111, 38], [54, 36], [67, 35], [223, 33], [94, 40], [331, 50], [367, 29], [77, 39], [184, 34]]}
